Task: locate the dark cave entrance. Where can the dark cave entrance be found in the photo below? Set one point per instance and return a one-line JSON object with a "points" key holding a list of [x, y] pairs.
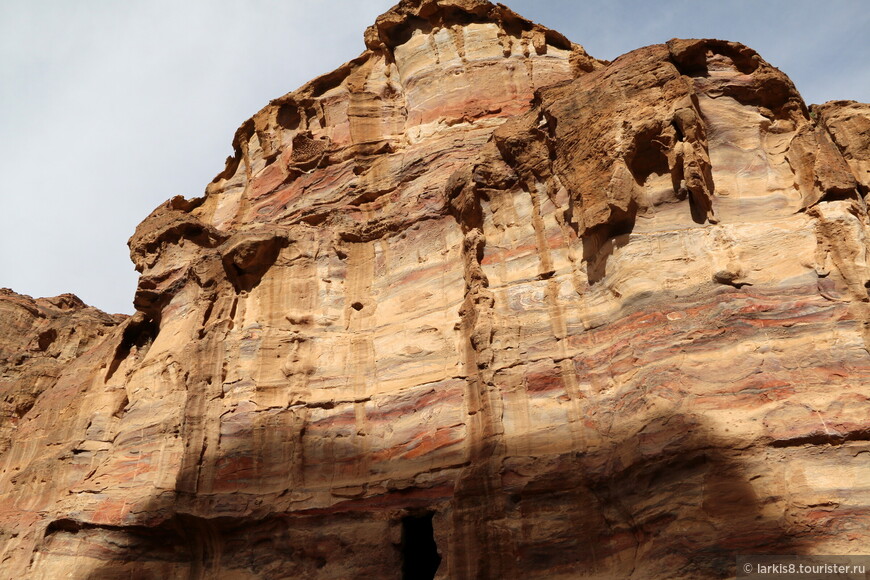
{"points": [[420, 557]]}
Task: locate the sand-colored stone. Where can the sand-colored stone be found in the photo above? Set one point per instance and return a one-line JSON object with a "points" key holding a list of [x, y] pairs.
{"points": [[39, 339], [600, 320]]}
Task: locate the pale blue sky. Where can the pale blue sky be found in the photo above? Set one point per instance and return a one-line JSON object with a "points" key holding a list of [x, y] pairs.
{"points": [[109, 108]]}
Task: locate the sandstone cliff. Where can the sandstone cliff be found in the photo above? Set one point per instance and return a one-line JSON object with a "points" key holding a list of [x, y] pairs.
{"points": [[562, 317]]}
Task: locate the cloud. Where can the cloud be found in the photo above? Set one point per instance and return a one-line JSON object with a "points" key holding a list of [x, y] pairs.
{"points": [[109, 108]]}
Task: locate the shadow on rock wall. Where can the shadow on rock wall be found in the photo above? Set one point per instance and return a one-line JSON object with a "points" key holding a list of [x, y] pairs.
{"points": [[667, 502]]}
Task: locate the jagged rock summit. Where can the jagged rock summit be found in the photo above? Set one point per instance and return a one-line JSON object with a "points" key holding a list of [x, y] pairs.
{"points": [[473, 305]]}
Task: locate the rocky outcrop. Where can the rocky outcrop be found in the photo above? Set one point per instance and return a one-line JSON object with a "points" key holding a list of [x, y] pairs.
{"points": [[40, 338], [848, 124], [478, 305]]}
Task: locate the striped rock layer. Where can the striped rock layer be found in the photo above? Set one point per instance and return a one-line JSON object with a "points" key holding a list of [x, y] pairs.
{"points": [[591, 319]]}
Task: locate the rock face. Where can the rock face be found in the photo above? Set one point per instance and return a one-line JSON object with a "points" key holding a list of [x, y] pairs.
{"points": [[39, 339], [474, 302]]}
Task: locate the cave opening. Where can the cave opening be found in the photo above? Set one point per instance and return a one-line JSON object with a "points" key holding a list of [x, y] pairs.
{"points": [[420, 558]]}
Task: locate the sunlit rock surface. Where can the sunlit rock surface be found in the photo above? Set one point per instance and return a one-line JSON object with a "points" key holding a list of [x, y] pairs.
{"points": [[584, 319]]}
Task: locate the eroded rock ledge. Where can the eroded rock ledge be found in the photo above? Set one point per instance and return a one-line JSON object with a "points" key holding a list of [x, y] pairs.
{"points": [[562, 317]]}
